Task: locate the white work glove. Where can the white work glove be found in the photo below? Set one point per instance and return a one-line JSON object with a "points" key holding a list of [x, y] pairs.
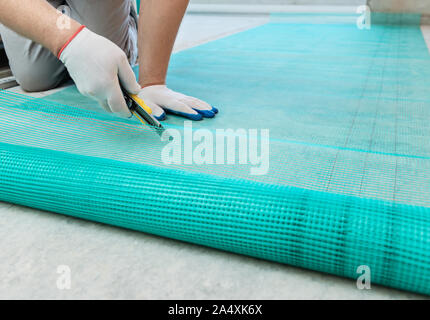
{"points": [[159, 97], [97, 65]]}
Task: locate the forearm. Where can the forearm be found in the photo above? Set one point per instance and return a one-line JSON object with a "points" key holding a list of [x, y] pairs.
{"points": [[36, 20], [159, 21]]}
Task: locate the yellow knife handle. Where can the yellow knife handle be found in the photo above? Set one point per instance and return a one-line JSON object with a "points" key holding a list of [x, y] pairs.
{"points": [[141, 103]]}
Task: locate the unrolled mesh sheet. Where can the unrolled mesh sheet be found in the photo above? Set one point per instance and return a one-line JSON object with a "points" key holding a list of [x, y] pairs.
{"points": [[349, 180]]}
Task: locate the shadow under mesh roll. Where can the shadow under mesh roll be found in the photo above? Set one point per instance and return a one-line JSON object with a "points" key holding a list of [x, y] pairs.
{"points": [[349, 179]]}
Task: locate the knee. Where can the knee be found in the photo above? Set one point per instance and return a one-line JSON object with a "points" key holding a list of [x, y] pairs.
{"points": [[31, 83], [34, 67], [38, 78]]}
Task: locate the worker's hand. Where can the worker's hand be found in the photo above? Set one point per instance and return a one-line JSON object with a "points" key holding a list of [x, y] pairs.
{"points": [[97, 65], [160, 98]]}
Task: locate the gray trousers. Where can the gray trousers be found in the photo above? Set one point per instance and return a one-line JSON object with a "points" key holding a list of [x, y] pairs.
{"points": [[37, 69]]}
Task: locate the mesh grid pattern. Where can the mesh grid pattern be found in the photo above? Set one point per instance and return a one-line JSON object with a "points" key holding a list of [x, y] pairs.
{"points": [[349, 179]]}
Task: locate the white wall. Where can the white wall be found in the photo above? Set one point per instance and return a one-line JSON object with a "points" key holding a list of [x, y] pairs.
{"points": [[284, 2], [414, 6]]}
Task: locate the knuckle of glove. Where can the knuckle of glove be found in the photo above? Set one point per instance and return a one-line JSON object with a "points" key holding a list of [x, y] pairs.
{"points": [[118, 55], [96, 89]]}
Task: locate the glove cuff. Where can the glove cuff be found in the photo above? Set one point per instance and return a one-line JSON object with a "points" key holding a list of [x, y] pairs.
{"points": [[70, 40]]}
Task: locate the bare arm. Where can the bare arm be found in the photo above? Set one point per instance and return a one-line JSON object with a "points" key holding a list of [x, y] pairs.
{"points": [[96, 64], [36, 20], [159, 21]]}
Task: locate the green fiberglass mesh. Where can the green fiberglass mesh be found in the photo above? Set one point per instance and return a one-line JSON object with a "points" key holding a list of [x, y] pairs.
{"points": [[343, 114]]}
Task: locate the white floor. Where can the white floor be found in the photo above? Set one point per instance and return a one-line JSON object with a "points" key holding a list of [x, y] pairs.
{"points": [[107, 262]]}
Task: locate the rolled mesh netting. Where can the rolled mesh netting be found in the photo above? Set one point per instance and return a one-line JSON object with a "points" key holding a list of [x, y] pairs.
{"points": [[349, 177]]}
